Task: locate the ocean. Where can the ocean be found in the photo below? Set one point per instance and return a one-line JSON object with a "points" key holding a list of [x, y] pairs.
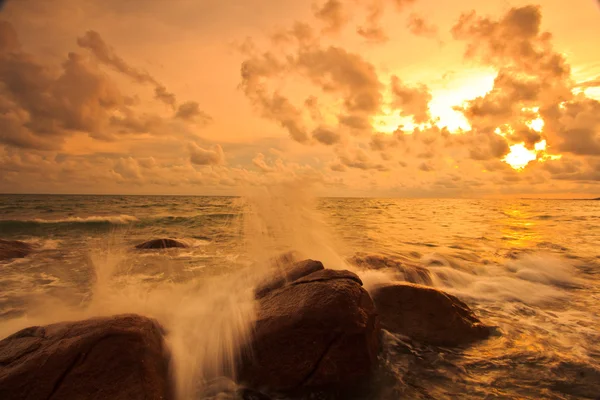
{"points": [[530, 268]]}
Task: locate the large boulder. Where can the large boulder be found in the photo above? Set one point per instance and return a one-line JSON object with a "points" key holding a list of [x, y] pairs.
{"points": [[13, 249], [427, 315], [319, 331], [161, 244], [409, 272], [121, 357], [285, 272]]}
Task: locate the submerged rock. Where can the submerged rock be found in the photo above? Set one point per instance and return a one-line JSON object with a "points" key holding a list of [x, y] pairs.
{"points": [[13, 249], [410, 273], [319, 331], [161, 244], [287, 272], [120, 357], [427, 315]]}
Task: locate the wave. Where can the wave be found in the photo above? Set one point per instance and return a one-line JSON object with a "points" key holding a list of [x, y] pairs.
{"points": [[94, 220]]}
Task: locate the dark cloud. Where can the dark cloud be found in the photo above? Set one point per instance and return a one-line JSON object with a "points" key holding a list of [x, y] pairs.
{"points": [[190, 111], [371, 29], [255, 72], [332, 14], [104, 53], [161, 93], [531, 74], [426, 167], [359, 159], [326, 136], [516, 40], [413, 101], [41, 106], [577, 125], [333, 70], [92, 41], [200, 156]]}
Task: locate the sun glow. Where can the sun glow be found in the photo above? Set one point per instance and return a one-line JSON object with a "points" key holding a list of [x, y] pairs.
{"points": [[519, 156]]}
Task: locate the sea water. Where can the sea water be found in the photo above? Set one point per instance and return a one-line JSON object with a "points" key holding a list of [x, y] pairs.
{"points": [[531, 268]]}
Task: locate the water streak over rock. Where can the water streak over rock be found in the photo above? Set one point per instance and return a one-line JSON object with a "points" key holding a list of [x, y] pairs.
{"points": [[410, 273]]}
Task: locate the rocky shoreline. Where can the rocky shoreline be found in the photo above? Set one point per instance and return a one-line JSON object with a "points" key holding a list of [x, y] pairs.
{"points": [[317, 330]]}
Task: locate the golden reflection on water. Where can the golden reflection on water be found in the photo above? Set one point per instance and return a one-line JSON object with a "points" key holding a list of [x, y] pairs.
{"points": [[519, 229]]}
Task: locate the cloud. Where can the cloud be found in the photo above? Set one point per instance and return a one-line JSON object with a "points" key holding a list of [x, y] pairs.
{"points": [[92, 41], [332, 14], [190, 111], [200, 156], [419, 27], [260, 162], [104, 53], [332, 70], [326, 136], [161, 93], [41, 106], [413, 101], [371, 29]]}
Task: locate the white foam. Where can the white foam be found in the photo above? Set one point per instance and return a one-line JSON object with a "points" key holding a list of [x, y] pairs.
{"points": [[121, 219], [531, 279]]}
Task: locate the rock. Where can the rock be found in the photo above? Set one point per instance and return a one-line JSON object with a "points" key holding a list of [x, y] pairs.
{"points": [[411, 273], [427, 315], [284, 273], [327, 275], [319, 331], [13, 249], [120, 357], [161, 244]]}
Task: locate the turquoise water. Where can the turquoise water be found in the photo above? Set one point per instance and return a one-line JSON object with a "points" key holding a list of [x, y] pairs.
{"points": [[529, 267]]}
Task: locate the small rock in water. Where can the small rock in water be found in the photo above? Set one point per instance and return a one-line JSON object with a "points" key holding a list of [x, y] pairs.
{"points": [[161, 244], [427, 315], [13, 249], [320, 331], [120, 357]]}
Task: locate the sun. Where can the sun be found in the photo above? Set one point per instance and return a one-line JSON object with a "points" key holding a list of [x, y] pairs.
{"points": [[519, 156]]}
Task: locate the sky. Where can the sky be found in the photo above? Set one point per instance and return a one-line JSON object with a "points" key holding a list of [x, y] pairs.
{"points": [[386, 98]]}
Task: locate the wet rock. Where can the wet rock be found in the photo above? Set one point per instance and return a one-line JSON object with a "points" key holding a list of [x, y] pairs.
{"points": [[284, 273], [327, 275], [319, 331], [161, 244], [120, 357], [13, 249], [427, 315], [411, 273]]}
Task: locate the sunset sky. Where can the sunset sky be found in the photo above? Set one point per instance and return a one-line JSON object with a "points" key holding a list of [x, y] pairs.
{"points": [[407, 98]]}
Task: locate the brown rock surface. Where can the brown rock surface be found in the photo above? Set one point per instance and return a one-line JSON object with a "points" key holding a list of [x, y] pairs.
{"points": [[427, 315], [13, 249], [284, 273], [120, 357], [318, 331]]}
